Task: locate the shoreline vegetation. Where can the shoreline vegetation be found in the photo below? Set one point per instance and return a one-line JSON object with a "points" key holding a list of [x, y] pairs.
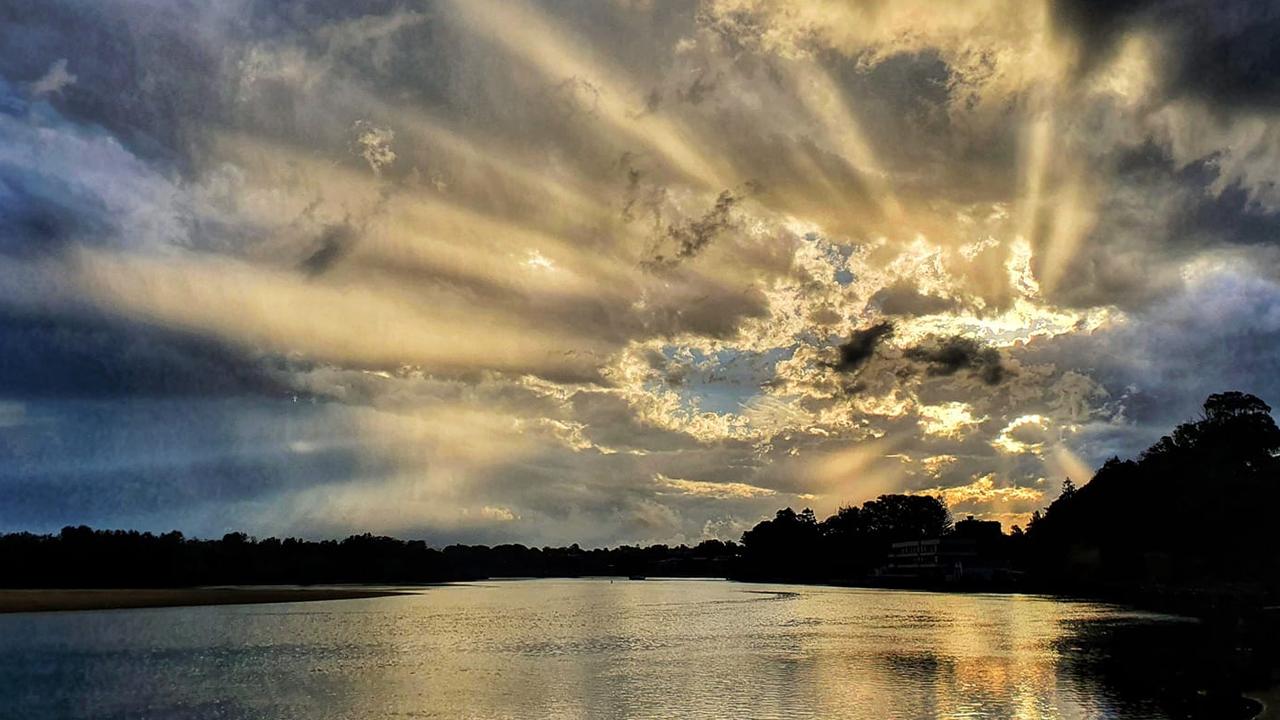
{"points": [[1185, 528]]}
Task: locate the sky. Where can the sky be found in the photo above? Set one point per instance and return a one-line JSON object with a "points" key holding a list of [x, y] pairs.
{"points": [[617, 271]]}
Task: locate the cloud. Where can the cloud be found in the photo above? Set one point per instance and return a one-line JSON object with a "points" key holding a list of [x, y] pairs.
{"points": [[861, 346], [935, 464], [952, 419], [64, 182], [94, 357], [251, 307], [1025, 434], [335, 242], [944, 357], [983, 491], [373, 144], [529, 269], [685, 240], [163, 462], [985, 499], [903, 299], [1220, 52], [54, 80], [499, 514], [720, 491]]}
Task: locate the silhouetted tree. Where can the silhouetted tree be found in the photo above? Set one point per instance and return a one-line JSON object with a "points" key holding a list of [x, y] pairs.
{"points": [[82, 557], [1195, 509], [1192, 510], [846, 545], [785, 546], [905, 517]]}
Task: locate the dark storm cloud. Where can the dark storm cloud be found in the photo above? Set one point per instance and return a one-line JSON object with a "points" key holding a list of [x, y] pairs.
{"points": [[164, 78], [96, 357], [161, 463], [1231, 216], [1219, 334], [1202, 216], [861, 346], [94, 493], [41, 207], [1157, 214], [1225, 52], [1100, 22], [141, 76], [944, 357], [39, 214]]}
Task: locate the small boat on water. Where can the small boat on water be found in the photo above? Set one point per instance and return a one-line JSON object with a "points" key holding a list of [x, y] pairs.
{"points": [[636, 577]]}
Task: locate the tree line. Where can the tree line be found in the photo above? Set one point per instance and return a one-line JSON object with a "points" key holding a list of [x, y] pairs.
{"points": [[84, 557], [1196, 509], [849, 545]]}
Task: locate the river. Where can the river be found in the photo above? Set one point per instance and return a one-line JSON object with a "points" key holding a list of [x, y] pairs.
{"points": [[594, 648]]}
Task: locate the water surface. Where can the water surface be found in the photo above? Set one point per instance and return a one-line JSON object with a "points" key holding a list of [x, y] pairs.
{"points": [[587, 648]]}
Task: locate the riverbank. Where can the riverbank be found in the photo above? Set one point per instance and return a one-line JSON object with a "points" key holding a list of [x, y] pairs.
{"points": [[55, 600]]}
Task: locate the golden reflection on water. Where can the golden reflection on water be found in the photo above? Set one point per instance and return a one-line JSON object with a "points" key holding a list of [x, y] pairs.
{"points": [[588, 648], [577, 649]]}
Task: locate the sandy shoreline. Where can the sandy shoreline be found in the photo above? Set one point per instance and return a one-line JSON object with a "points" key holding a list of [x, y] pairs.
{"points": [[52, 600]]}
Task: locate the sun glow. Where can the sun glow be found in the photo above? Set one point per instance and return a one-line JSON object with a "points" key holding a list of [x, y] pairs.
{"points": [[654, 258]]}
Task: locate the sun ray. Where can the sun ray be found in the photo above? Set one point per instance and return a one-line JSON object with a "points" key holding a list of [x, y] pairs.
{"points": [[1036, 141], [823, 99], [523, 32]]}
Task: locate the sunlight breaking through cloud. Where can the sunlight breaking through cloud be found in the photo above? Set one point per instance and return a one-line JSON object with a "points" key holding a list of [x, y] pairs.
{"points": [[523, 269]]}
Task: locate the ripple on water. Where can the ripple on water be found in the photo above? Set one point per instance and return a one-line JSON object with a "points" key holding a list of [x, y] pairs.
{"points": [[577, 648]]}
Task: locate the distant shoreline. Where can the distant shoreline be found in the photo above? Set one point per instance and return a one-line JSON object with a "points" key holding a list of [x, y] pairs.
{"points": [[61, 600], [65, 599]]}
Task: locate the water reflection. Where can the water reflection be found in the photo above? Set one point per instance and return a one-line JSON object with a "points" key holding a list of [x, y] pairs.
{"points": [[589, 648]]}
